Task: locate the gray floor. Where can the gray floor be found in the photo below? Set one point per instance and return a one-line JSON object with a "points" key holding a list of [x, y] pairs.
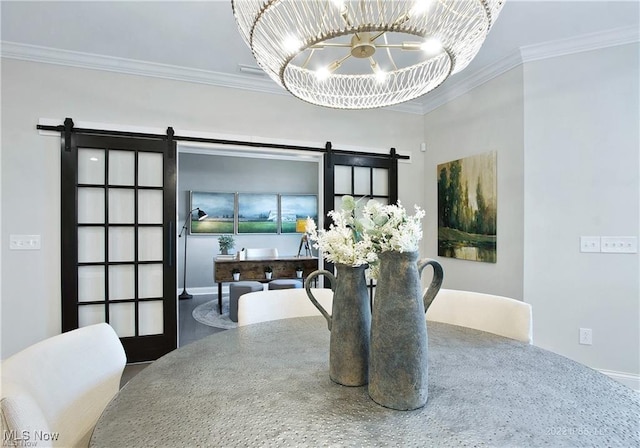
{"points": [[190, 330]]}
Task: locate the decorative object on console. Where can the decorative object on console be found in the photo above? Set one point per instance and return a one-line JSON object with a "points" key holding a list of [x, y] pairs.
{"points": [[299, 271], [268, 272], [221, 212], [374, 53], [261, 253], [236, 274], [201, 215], [301, 226], [467, 208], [226, 242]]}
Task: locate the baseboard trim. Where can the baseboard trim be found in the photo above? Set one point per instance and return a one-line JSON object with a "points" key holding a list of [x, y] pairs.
{"points": [[200, 291], [628, 379]]}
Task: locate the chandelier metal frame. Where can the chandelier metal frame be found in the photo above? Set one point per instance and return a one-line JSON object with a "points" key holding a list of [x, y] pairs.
{"points": [[363, 54]]}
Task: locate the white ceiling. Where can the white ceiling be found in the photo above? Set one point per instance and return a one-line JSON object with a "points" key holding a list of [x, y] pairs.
{"points": [[202, 35]]}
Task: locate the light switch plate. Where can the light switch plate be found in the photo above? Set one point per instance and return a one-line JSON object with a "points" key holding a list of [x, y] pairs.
{"points": [[619, 244], [589, 244], [24, 242]]}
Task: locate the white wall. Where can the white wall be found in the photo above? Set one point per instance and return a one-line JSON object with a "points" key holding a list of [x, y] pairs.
{"points": [[31, 170], [566, 131], [489, 118], [216, 173], [582, 178]]}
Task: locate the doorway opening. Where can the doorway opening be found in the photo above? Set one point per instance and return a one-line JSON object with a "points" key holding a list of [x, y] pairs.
{"points": [[210, 168]]}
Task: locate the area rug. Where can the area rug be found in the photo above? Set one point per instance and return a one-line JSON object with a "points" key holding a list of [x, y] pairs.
{"points": [[207, 314]]}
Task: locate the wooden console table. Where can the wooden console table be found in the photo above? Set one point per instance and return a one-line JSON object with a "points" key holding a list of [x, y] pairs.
{"points": [[253, 270]]}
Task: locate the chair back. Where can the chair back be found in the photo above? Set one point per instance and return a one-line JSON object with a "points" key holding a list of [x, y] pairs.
{"points": [[494, 314], [259, 253], [277, 304], [64, 382]]}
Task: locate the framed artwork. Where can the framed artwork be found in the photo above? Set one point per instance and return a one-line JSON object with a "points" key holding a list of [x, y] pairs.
{"points": [[220, 210], [294, 210], [257, 213], [467, 208]]}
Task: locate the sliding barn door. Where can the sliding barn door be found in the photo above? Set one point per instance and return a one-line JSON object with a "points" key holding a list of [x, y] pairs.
{"points": [[363, 176], [118, 230]]}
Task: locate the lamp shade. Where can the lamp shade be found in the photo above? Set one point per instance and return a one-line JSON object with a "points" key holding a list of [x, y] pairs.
{"points": [[301, 225], [201, 214]]}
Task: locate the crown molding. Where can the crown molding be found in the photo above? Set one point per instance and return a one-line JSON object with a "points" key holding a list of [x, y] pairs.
{"points": [[579, 44], [455, 87], [451, 88], [35, 53], [410, 107], [252, 82]]}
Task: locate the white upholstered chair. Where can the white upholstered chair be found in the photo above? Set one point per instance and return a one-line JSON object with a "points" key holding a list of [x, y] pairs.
{"points": [[277, 304], [62, 384], [259, 253], [494, 314]]}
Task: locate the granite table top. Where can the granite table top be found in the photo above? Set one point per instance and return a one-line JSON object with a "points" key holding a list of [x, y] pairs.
{"points": [[268, 385]]}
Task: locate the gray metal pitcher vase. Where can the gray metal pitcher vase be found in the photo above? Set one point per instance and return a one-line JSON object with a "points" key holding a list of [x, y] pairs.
{"points": [[398, 364], [349, 323]]}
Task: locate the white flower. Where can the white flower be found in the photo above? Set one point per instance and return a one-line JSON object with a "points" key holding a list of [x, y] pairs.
{"points": [[356, 242], [390, 228], [343, 243]]}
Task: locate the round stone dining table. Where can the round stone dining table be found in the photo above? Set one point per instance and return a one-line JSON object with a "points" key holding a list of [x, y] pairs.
{"points": [[268, 385]]}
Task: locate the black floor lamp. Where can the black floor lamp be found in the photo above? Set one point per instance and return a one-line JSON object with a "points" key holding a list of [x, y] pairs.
{"points": [[201, 216]]}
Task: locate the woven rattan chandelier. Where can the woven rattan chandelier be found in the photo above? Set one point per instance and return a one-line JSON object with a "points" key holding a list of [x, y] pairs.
{"points": [[363, 54]]}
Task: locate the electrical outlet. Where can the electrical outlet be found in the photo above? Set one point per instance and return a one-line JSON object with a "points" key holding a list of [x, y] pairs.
{"points": [[586, 336]]}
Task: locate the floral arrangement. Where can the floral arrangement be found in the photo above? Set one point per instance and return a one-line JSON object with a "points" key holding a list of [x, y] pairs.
{"points": [[390, 228], [357, 241], [344, 242]]}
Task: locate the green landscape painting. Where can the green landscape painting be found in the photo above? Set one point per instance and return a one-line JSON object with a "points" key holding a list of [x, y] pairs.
{"points": [[257, 213], [296, 207], [467, 208], [220, 210]]}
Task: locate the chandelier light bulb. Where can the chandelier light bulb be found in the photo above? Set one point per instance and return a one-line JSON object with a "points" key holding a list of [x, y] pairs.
{"points": [[292, 43], [290, 39], [431, 46], [323, 73], [420, 7], [381, 75], [340, 5]]}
